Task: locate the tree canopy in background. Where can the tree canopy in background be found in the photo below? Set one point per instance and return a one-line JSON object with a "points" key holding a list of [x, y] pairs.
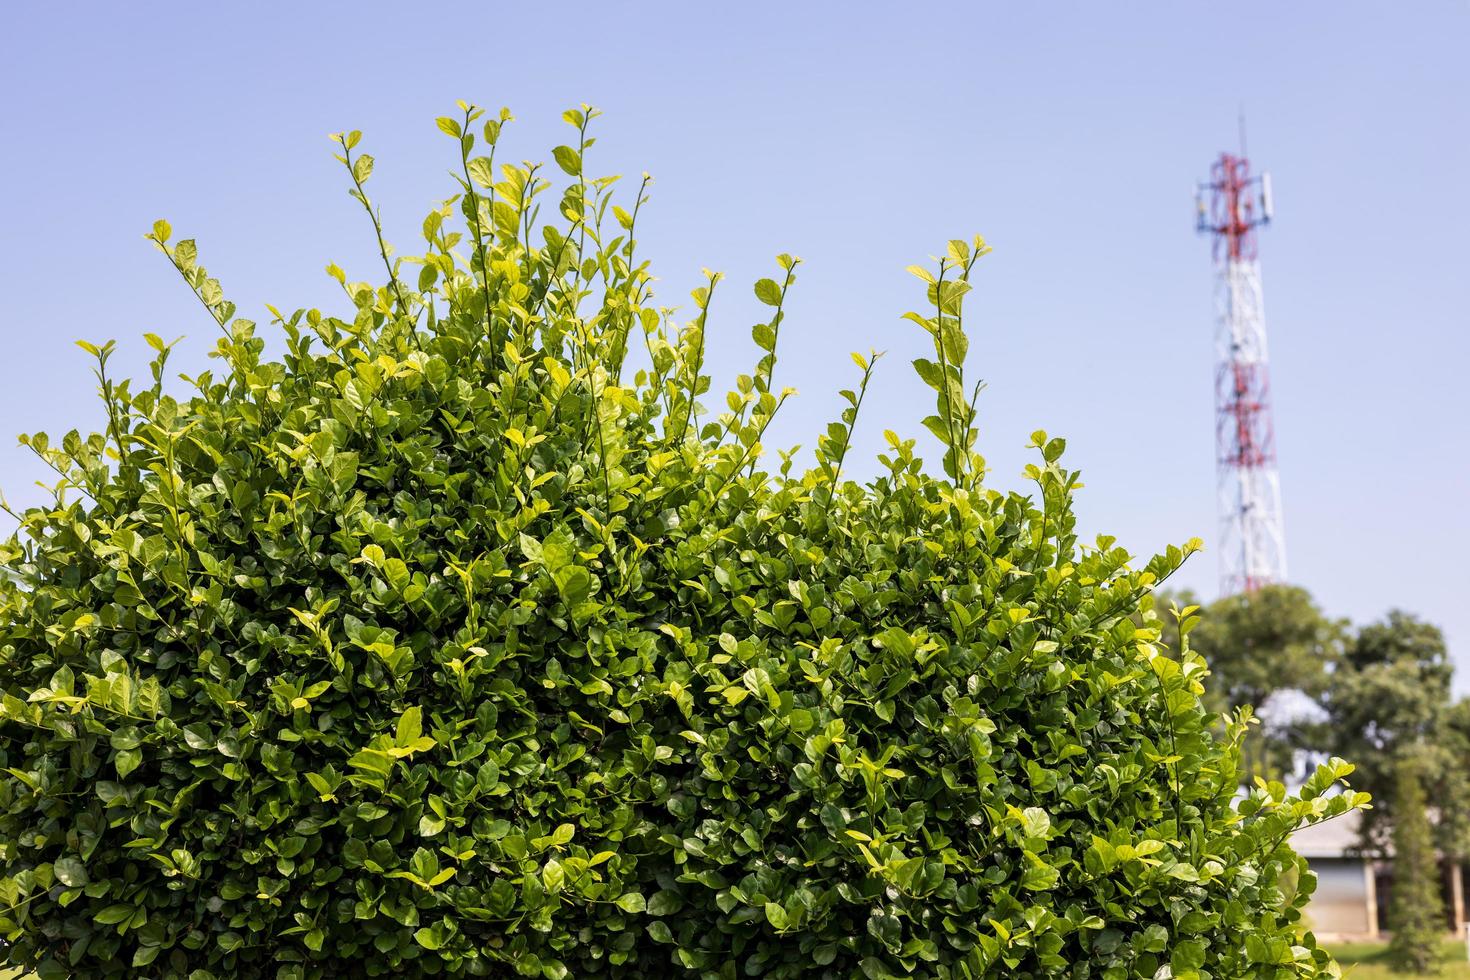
{"points": [[1380, 695], [464, 641], [1390, 704], [1260, 643], [1272, 650]]}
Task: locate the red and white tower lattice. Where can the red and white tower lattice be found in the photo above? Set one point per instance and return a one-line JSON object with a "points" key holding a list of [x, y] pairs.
{"points": [[1252, 540]]}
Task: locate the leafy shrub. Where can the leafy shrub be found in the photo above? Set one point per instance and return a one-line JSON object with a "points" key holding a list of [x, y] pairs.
{"points": [[462, 641]]}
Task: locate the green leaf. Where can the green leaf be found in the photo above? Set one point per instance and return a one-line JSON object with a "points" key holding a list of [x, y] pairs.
{"points": [[410, 727], [768, 292], [114, 914], [70, 871], [568, 159], [481, 171], [1035, 823], [764, 336], [1187, 955], [665, 902], [1039, 876], [126, 761]]}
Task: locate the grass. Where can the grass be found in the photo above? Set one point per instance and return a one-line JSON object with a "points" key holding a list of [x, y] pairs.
{"points": [[1369, 961]]}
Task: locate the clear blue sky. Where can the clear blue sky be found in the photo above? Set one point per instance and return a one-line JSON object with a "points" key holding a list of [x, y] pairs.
{"points": [[860, 138]]}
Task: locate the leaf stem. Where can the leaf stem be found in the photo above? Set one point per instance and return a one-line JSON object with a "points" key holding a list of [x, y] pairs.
{"points": [[361, 195]]}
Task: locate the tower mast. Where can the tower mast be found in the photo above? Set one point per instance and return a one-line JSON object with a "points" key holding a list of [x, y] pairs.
{"points": [[1252, 539]]}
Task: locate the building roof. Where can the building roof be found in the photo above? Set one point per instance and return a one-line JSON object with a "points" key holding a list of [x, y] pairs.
{"points": [[1330, 839]]}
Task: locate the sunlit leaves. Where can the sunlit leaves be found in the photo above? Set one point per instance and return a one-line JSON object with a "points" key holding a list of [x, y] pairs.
{"points": [[482, 171], [568, 159], [465, 640], [768, 291]]}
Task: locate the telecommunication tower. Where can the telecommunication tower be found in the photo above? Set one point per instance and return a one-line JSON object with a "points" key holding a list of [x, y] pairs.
{"points": [[1252, 540]]}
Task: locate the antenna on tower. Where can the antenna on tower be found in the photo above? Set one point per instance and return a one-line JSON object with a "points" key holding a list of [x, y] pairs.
{"points": [[1253, 542]]}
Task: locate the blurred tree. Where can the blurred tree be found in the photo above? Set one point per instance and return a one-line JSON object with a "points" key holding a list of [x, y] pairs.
{"points": [[1273, 639], [1454, 801], [1415, 910], [1389, 698], [1402, 636], [1318, 688], [1270, 649]]}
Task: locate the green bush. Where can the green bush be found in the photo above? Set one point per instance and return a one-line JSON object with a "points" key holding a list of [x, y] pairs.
{"points": [[462, 641]]}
